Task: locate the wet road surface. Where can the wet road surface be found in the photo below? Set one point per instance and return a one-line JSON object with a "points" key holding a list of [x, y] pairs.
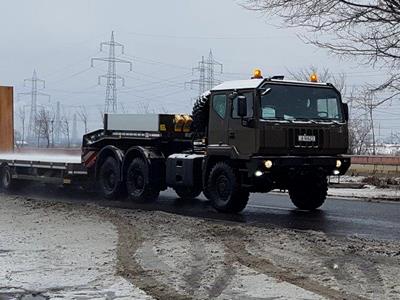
{"points": [[339, 217]]}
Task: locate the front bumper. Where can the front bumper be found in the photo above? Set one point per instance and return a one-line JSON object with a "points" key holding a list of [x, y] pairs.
{"points": [[297, 164]]}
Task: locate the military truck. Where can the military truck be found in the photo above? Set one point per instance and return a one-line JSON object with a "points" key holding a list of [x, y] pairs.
{"points": [[245, 136]]}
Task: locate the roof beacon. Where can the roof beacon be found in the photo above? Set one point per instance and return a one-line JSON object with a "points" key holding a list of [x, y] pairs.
{"points": [[257, 74], [314, 77]]}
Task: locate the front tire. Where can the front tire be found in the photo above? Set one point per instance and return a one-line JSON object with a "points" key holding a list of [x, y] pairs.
{"points": [[309, 193], [138, 183], [225, 190], [109, 182]]}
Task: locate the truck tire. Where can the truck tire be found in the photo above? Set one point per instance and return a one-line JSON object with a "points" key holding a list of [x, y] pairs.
{"points": [[225, 191], [200, 114], [187, 193], [309, 193], [138, 185], [7, 183], [109, 184]]}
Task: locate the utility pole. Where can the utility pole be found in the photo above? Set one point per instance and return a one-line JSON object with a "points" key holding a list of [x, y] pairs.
{"points": [[111, 104], [207, 69], [34, 93]]}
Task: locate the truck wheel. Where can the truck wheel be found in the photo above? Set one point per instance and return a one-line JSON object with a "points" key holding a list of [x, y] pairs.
{"points": [[6, 181], [200, 114], [108, 179], [225, 191], [137, 183], [187, 193], [309, 193]]}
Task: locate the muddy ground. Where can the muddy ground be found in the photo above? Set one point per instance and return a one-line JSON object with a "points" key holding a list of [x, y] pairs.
{"points": [[52, 250]]}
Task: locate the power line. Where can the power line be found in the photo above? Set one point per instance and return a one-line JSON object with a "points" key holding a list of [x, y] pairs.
{"points": [[111, 104]]}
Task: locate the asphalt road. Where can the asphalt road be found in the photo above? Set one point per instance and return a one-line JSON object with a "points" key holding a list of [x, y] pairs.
{"points": [[339, 217]]}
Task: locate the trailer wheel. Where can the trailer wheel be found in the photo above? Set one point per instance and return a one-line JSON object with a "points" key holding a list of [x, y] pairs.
{"points": [[225, 191], [138, 185], [187, 193], [110, 186], [309, 193], [6, 181]]}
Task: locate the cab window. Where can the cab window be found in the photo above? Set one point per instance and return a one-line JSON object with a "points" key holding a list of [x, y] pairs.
{"points": [[249, 97], [219, 105]]}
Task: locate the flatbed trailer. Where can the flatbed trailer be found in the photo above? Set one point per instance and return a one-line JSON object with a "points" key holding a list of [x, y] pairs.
{"points": [[48, 168]]}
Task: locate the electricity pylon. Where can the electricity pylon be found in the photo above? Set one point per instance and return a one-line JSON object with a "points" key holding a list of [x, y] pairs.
{"points": [[111, 104], [34, 93], [206, 69]]}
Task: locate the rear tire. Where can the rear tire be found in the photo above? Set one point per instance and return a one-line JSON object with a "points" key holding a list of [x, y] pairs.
{"points": [[110, 185], [309, 193], [7, 183], [187, 193], [225, 190], [138, 183]]}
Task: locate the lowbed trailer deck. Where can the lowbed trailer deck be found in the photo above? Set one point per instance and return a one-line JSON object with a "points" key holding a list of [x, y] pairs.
{"points": [[49, 168]]}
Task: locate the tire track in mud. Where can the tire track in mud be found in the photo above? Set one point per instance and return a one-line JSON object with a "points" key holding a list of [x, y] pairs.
{"points": [[129, 241], [237, 251]]}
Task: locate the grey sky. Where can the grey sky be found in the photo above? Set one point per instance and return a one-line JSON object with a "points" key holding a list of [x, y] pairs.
{"points": [[164, 39]]}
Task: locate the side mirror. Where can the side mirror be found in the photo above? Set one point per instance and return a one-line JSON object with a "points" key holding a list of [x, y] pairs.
{"points": [[242, 106], [346, 111]]}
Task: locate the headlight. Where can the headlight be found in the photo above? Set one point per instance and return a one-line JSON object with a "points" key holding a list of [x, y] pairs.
{"points": [[258, 173], [268, 164], [338, 163]]}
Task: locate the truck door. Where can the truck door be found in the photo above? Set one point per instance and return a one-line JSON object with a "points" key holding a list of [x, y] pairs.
{"points": [[241, 136], [218, 119]]}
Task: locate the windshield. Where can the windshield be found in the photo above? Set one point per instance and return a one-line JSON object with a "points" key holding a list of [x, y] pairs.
{"points": [[291, 102]]}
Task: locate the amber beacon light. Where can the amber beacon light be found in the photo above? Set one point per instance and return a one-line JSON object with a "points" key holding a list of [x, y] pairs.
{"points": [[257, 74], [314, 77]]}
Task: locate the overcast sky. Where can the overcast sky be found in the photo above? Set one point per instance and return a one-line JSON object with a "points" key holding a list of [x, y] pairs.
{"points": [[163, 39]]}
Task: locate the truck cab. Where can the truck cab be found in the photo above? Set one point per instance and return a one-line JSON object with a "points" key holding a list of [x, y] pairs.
{"points": [[278, 134]]}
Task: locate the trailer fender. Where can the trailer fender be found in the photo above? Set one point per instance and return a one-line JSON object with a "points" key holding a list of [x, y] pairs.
{"points": [[109, 151], [155, 161]]}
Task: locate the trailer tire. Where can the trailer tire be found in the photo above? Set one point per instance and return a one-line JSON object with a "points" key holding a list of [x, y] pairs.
{"points": [[110, 186], [309, 193], [187, 193], [200, 114], [7, 183], [138, 184], [225, 190]]}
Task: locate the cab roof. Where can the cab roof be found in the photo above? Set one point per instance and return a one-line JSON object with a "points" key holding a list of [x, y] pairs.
{"points": [[256, 83]]}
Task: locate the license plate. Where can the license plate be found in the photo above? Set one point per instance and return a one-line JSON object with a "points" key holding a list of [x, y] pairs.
{"points": [[306, 138]]}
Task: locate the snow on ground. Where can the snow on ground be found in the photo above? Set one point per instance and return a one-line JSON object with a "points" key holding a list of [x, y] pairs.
{"points": [[368, 192], [56, 158], [58, 254]]}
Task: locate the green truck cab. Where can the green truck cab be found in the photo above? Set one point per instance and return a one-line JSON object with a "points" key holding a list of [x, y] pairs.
{"points": [[265, 134]]}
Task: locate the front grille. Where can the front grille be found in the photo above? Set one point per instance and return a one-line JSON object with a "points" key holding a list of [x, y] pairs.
{"points": [[295, 142]]}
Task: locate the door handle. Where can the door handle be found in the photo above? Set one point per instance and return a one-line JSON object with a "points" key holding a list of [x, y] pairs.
{"points": [[231, 134]]}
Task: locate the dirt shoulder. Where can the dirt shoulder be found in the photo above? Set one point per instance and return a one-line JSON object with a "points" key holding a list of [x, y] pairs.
{"points": [[166, 256]]}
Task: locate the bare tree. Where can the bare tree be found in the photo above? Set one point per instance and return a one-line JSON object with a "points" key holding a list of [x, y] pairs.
{"points": [[366, 29], [43, 125], [66, 128], [359, 136], [83, 116]]}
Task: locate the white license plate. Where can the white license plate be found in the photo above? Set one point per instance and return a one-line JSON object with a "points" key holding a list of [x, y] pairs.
{"points": [[306, 138]]}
